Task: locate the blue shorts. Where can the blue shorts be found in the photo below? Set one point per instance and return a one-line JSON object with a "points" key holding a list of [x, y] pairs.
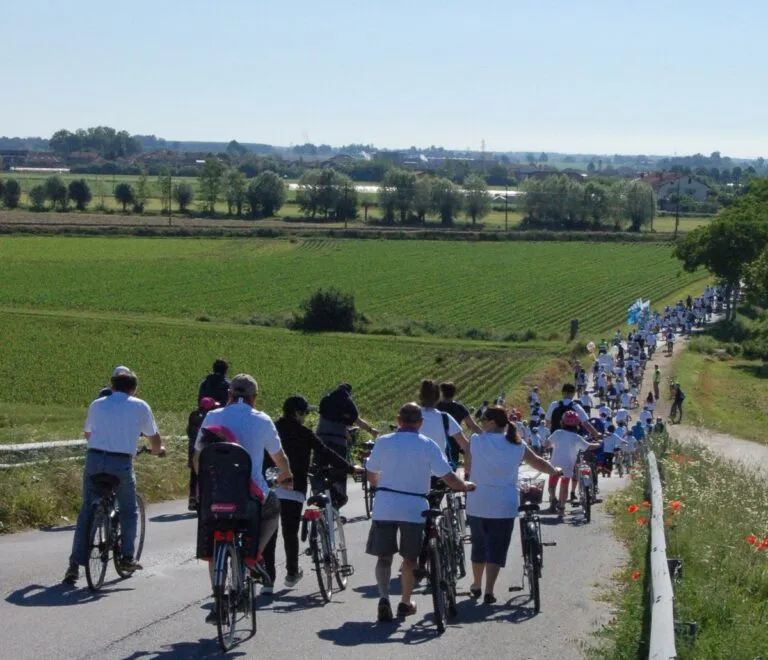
{"points": [[490, 539]]}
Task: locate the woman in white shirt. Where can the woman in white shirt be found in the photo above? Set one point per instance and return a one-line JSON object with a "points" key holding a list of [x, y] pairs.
{"points": [[496, 454]]}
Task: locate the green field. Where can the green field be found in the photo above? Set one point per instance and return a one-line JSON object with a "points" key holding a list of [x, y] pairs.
{"points": [[454, 287]]}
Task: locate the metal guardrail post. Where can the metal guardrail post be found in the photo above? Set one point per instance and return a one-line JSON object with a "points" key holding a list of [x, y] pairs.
{"points": [[662, 645]]}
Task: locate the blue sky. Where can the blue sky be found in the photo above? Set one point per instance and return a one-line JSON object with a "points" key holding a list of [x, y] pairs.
{"points": [[592, 76]]}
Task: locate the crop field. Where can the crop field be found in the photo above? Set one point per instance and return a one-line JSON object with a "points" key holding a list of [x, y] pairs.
{"points": [[456, 288], [54, 364]]}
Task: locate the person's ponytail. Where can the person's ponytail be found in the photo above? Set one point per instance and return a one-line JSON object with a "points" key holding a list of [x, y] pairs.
{"points": [[512, 435]]}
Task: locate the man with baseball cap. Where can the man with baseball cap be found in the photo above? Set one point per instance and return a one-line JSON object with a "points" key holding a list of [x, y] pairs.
{"points": [[255, 432]]}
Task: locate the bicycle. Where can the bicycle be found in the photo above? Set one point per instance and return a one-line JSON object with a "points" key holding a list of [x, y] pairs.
{"points": [[583, 473], [533, 552], [104, 532], [456, 537], [323, 527], [442, 579], [234, 583], [368, 491]]}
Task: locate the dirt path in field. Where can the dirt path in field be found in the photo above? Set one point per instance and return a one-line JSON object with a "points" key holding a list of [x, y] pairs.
{"points": [[750, 455]]}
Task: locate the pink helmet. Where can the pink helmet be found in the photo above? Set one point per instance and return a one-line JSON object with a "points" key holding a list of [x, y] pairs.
{"points": [[209, 403], [570, 418]]}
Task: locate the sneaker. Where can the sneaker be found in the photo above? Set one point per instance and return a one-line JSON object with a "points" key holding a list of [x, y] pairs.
{"points": [[489, 599], [573, 496], [292, 579], [72, 575], [267, 590], [130, 565], [406, 609], [385, 611]]}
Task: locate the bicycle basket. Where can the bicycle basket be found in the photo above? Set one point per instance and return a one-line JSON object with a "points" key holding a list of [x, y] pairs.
{"points": [[224, 482], [531, 490]]}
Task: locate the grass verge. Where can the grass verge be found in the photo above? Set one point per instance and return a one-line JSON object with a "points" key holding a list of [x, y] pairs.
{"points": [[725, 584]]}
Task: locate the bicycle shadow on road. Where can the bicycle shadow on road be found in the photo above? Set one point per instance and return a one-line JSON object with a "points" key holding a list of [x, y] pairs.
{"points": [[57, 595], [62, 528], [203, 648], [281, 602], [359, 633], [516, 610], [173, 517]]}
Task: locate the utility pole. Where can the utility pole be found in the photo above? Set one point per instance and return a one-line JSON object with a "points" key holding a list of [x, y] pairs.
{"points": [[677, 207], [506, 208], [482, 156]]}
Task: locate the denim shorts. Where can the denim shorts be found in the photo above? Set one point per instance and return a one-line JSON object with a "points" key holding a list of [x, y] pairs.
{"points": [[490, 539]]}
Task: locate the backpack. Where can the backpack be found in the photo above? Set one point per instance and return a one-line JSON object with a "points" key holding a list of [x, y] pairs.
{"points": [[452, 449], [194, 422], [557, 415]]}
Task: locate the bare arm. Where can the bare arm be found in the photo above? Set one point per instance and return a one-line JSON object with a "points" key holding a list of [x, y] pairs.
{"points": [[461, 440], [535, 461], [157, 445], [366, 426], [196, 462], [472, 425], [457, 483], [284, 469], [373, 478], [591, 430]]}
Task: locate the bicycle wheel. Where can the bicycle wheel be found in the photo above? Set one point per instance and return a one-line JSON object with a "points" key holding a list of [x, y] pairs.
{"points": [[461, 515], [439, 601], [321, 558], [533, 570], [367, 496], [139, 545], [340, 551], [98, 549], [458, 547], [587, 504], [225, 594]]}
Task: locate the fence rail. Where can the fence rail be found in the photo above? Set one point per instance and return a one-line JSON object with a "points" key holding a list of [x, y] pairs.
{"points": [[662, 643]]}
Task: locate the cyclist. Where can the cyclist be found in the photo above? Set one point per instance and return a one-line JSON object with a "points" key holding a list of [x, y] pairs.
{"points": [[440, 426], [215, 385], [492, 507], [566, 443], [299, 442], [241, 423], [113, 426], [194, 422], [400, 467], [338, 413]]}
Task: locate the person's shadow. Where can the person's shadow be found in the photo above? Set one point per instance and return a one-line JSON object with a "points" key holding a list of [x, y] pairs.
{"points": [[173, 517], [203, 648], [57, 595]]}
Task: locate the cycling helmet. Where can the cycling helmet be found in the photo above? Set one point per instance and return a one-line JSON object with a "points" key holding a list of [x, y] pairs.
{"points": [[570, 418], [209, 403]]}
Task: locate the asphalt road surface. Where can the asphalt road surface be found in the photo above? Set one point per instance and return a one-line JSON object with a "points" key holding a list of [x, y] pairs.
{"points": [[159, 613]]}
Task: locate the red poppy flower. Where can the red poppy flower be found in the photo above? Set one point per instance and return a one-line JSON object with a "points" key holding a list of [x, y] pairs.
{"points": [[632, 508], [752, 539], [676, 505], [763, 545], [642, 521], [645, 504], [636, 576]]}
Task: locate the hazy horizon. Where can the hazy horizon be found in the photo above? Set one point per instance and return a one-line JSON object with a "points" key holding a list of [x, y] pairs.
{"points": [[595, 77]]}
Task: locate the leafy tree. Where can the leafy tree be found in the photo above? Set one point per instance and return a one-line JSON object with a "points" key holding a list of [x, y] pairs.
{"points": [[422, 198], [36, 197], [12, 194], [530, 158], [543, 157], [235, 150], [319, 191], [56, 192], [143, 192], [477, 203], [591, 167], [328, 310], [80, 193], [345, 205], [165, 187], [211, 183], [447, 200], [756, 277], [396, 193], [125, 195], [2, 184], [597, 202], [266, 194], [235, 186], [641, 204], [184, 195]]}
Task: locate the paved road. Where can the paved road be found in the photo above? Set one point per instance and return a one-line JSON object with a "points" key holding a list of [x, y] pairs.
{"points": [[159, 613]]}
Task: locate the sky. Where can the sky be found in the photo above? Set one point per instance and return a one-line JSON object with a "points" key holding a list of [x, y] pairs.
{"points": [[573, 76]]}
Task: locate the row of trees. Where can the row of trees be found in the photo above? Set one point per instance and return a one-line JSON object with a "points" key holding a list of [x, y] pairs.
{"points": [[562, 202], [734, 246], [103, 140]]}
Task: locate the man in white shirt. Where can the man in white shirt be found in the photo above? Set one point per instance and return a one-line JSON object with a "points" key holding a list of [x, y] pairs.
{"points": [[400, 467], [112, 428], [621, 415], [611, 443], [439, 425]]}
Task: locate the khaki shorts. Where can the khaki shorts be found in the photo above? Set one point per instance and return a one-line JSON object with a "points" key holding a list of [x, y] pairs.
{"points": [[382, 539]]}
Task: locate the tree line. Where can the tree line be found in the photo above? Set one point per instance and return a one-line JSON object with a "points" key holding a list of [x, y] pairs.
{"points": [[559, 202]]}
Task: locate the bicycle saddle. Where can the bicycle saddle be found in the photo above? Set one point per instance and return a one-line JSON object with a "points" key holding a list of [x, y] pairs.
{"points": [[104, 482], [319, 500]]}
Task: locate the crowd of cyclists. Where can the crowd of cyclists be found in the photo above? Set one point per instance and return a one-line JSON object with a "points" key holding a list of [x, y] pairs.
{"points": [[602, 415]]}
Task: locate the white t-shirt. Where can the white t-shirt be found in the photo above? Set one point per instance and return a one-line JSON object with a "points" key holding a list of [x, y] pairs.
{"points": [[610, 442], [495, 464], [626, 400], [115, 423], [622, 415], [586, 400], [646, 416], [433, 427], [405, 461], [605, 409], [254, 430], [566, 446]]}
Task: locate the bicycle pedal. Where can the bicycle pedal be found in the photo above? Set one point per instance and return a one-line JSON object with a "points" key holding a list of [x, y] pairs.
{"points": [[549, 544], [512, 589], [347, 570]]}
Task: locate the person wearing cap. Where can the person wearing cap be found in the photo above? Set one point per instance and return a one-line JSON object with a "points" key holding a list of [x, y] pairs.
{"points": [[400, 467], [194, 422], [215, 385], [112, 429], [338, 413], [107, 391], [299, 442], [255, 432]]}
